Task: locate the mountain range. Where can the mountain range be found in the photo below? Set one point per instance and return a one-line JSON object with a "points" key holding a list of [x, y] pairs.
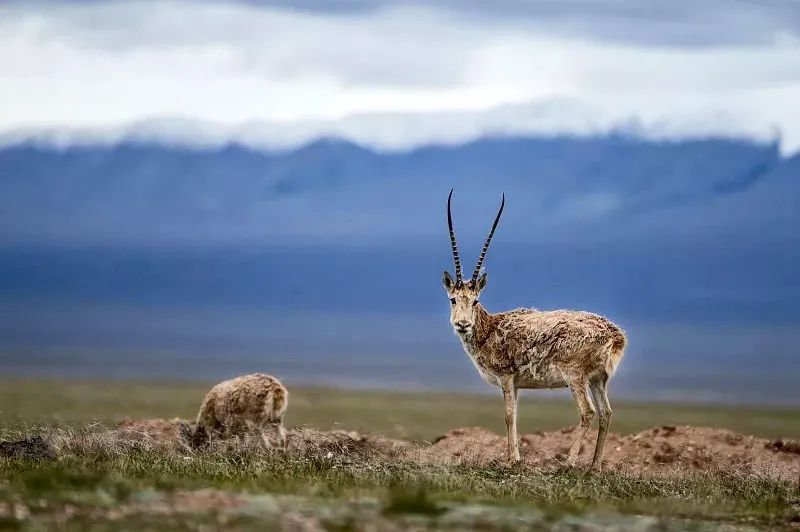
{"points": [[150, 193]]}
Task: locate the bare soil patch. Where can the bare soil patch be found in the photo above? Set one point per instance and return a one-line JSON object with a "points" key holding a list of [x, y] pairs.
{"points": [[665, 450]]}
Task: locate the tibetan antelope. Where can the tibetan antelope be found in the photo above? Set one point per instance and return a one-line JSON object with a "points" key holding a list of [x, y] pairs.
{"points": [[238, 405], [529, 348]]}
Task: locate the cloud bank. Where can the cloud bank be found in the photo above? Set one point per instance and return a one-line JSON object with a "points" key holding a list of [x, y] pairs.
{"points": [[395, 75]]}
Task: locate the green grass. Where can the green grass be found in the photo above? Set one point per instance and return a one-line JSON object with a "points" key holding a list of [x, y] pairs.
{"points": [[104, 484], [419, 416], [96, 480]]}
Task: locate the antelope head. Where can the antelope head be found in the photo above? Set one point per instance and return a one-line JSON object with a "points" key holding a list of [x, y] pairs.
{"points": [[464, 295]]}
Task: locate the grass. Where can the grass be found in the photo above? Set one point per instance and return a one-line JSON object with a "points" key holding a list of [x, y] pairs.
{"points": [[102, 482], [96, 476], [418, 416]]}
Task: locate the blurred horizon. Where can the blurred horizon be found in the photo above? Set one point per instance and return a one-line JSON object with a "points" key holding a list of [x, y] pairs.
{"points": [[196, 190]]}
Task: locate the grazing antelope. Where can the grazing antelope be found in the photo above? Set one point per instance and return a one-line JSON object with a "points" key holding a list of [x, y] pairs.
{"points": [[529, 348], [236, 406]]}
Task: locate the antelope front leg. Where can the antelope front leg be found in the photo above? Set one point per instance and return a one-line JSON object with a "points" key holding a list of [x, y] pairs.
{"points": [[510, 399]]}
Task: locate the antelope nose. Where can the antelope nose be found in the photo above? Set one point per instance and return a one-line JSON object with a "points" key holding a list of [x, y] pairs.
{"points": [[461, 324]]}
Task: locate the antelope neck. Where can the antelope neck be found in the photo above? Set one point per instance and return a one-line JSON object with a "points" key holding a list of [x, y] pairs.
{"points": [[485, 323]]}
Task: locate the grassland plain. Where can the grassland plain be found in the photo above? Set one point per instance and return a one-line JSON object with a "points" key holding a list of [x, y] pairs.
{"points": [[102, 479], [408, 415]]}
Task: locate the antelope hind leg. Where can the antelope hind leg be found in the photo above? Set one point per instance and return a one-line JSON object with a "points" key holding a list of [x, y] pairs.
{"points": [[579, 389], [599, 390]]}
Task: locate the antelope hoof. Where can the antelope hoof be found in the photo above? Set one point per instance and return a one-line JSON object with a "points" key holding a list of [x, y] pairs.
{"points": [[514, 460], [597, 467]]}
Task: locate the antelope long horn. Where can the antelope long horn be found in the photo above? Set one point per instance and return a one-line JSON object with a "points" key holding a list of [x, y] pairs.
{"points": [[453, 244], [488, 241]]}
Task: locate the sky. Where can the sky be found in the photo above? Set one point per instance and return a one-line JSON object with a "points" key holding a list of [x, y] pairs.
{"points": [[396, 74], [180, 252]]}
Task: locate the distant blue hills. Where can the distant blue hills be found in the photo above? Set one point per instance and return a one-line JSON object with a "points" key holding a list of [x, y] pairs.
{"points": [[331, 189]]}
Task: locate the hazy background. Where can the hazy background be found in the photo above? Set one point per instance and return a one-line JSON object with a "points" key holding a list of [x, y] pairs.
{"points": [[196, 190]]}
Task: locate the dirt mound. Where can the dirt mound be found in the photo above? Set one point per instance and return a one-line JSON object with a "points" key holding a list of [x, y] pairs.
{"points": [[303, 441], [661, 450], [665, 450]]}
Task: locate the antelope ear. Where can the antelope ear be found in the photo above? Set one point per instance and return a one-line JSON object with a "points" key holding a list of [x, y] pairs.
{"points": [[447, 281], [482, 282]]}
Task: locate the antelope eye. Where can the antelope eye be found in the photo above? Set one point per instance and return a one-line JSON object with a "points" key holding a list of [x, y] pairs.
{"points": [[475, 302], [452, 301]]}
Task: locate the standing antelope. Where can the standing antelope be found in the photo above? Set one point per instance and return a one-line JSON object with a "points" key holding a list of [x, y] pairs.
{"points": [[528, 348]]}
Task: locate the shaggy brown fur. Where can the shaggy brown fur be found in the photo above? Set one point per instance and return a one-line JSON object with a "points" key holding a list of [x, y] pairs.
{"points": [[532, 343], [236, 406], [529, 348]]}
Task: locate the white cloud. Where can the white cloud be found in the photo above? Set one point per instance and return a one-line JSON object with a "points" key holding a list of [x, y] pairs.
{"points": [[391, 77]]}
